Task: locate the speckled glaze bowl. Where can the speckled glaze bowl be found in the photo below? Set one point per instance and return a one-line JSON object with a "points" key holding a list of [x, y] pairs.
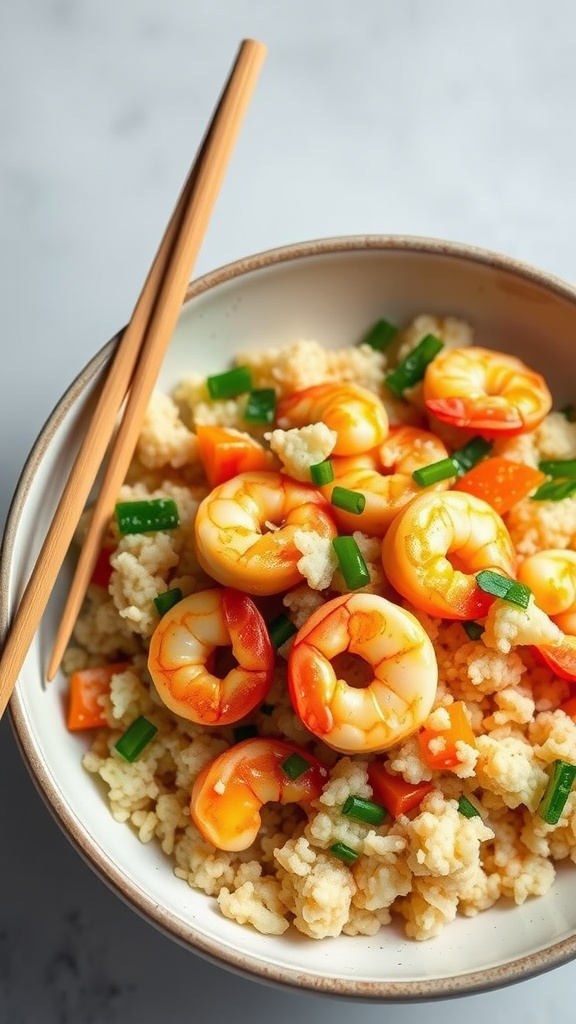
{"points": [[330, 290]]}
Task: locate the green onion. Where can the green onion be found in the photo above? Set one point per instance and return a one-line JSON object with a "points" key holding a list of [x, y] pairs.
{"points": [[364, 810], [230, 383], [565, 468], [473, 630], [554, 490], [136, 737], [380, 335], [471, 453], [350, 501], [294, 766], [467, 808], [569, 411], [322, 473], [280, 630], [343, 852], [147, 516], [412, 368], [164, 602], [351, 562], [436, 471], [267, 709], [244, 732], [557, 791], [500, 586], [261, 406]]}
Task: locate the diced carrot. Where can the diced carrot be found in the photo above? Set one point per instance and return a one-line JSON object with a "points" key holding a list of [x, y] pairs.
{"points": [[225, 452], [102, 568], [444, 755], [86, 685], [393, 792], [500, 482], [569, 707], [560, 657]]}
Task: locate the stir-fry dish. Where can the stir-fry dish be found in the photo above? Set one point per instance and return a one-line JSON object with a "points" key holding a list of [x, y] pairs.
{"points": [[327, 660]]}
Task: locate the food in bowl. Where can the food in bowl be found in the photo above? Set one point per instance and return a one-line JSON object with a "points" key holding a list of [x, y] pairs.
{"points": [[382, 535]]}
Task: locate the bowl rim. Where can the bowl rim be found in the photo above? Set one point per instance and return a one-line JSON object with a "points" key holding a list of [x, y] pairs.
{"points": [[473, 982]]}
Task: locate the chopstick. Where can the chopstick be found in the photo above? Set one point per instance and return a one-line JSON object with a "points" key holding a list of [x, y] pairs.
{"points": [[131, 379]]}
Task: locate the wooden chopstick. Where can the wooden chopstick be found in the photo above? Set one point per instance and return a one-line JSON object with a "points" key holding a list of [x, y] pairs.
{"points": [[134, 371]]}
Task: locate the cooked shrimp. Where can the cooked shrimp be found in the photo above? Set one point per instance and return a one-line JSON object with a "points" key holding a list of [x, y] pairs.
{"points": [[229, 791], [384, 477], [245, 528], [360, 719], [551, 576], [182, 648], [488, 392], [436, 545], [354, 412]]}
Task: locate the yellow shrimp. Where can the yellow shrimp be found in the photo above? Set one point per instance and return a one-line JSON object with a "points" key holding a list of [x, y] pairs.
{"points": [[436, 546], [382, 710], [245, 527], [488, 392], [229, 792], [551, 576], [354, 412], [384, 477], [182, 649]]}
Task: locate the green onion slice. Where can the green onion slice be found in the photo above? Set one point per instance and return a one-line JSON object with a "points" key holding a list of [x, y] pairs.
{"points": [[473, 630], [230, 383], [244, 732], [413, 367], [364, 810], [344, 853], [294, 766], [147, 516], [137, 736], [564, 468], [351, 562], [472, 453], [436, 471], [500, 586], [380, 335], [467, 808], [280, 630], [350, 501], [554, 490], [322, 473], [569, 411], [261, 406], [557, 791], [164, 602]]}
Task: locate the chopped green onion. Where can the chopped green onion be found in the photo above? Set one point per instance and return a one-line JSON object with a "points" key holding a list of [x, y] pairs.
{"points": [[364, 810], [350, 501], [294, 766], [136, 737], [436, 471], [244, 732], [230, 383], [164, 602], [554, 490], [280, 630], [557, 791], [147, 516], [380, 335], [473, 630], [569, 411], [261, 406], [322, 473], [413, 367], [351, 562], [343, 852], [471, 453], [500, 586], [267, 709], [565, 468], [467, 808]]}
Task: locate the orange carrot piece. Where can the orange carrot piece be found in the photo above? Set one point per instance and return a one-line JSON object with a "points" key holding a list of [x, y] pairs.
{"points": [[102, 568], [560, 657], [86, 685], [500, 482], [569, 707], [393, 792], [446, 756], [225, 452]]}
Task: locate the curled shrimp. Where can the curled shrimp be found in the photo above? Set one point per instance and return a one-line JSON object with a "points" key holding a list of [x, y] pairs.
{"points": [[182, 648], [436, 546], [401, 659], [354, 412], [244, 530], [488, 392], [384, 477], [551, 576], [229, 791]]}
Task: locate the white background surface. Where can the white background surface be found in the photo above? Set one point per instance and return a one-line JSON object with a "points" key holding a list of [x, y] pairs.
{"points": [[429, 117]]}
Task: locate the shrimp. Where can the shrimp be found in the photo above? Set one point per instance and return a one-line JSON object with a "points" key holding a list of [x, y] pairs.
{"points": [[229, 791], [436, 545], [551, 576], [384, 477], [354, 412], [182, 648], [488, 392], [381, 711], [245, 527]]}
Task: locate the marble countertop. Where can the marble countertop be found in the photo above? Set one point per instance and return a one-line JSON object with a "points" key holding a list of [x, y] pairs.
{"points": [[396, 116]]}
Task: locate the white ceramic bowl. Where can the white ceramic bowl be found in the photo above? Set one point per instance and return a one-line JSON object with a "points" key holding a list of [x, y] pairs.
{"points": [[330, 290]]}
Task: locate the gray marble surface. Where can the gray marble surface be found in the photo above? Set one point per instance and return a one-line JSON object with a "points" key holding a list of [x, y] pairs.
{"points": [[438, 118]]}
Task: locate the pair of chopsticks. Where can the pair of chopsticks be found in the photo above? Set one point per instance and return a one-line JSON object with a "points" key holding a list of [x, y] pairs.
{"points": [[131, 377]]}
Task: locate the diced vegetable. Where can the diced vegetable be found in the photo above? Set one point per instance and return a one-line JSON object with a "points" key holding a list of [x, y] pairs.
{"points": [[225, 452], [467, 808], [350, 501], [164, 602], [473, 630], [322, 473], [413, 367], [569, 411], [280, 630], [135, 739], [294, 766], [439, 746], [86, 685], [471, 453], [569, 707], [261, 406], [147, 516], [500, 586], [436, 471], [364, 810], [557, 791], [230, 383], [380, 335], [560, 657], [344, 853], [393, 792], [351, 562], [102, 569], [500, 482], [559, 468], [555, 490]]}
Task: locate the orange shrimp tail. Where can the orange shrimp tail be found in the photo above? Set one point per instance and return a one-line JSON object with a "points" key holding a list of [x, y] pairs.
{"points": [[489, 417]]}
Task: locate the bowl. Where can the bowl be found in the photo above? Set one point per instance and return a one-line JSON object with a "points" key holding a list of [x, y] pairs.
{"points": [[330, 290]]}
